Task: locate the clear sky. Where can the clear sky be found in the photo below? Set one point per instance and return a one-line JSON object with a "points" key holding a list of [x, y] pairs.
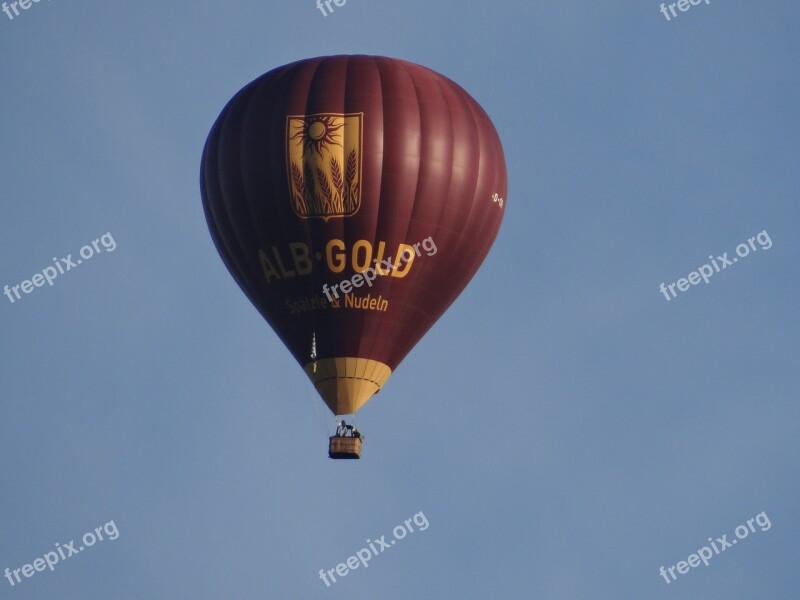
{"points": [[564, 429]]}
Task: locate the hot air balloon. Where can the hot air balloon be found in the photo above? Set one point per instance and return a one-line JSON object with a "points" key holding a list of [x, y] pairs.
{"points": [[352, 198]]}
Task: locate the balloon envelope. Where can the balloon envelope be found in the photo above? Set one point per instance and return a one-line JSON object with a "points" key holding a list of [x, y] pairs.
{"points": [[352, 198]]}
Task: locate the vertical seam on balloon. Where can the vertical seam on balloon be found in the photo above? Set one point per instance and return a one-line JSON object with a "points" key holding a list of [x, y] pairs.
{"points": [[362, 352], [224, 204], [420, 148], [367, 352], [245, 110], [385, 349], [484, 144], [215, 209], [443, 202], [333, 328], [438, 80], [464, 106], [403, 310], [359, 317], [306, 223], [370, 349], [419, 118]]}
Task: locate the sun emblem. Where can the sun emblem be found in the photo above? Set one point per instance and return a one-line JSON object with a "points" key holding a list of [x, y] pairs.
{"points": [[318, 132]]}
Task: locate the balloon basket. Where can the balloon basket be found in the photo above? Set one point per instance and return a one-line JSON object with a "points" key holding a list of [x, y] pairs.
{"points": [[344, 447]]}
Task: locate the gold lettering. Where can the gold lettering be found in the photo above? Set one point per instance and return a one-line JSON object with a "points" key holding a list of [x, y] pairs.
{"points": [[360, 268], [340, 256], [378, 269], [266, 266], [402, 250], [278, 260], [302, 262]]}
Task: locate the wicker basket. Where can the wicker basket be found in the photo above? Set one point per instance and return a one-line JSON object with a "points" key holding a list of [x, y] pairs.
{"points": [[344, 447]]}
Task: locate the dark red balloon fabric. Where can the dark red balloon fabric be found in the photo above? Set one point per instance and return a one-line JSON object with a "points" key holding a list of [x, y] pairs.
{"points": [[319, 170]]}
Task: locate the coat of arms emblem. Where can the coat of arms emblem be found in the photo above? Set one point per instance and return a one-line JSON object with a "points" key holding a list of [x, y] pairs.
{"points": [[323, 158]]}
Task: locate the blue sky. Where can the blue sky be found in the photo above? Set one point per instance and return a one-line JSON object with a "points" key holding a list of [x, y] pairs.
{"points": [[564, 428]]}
